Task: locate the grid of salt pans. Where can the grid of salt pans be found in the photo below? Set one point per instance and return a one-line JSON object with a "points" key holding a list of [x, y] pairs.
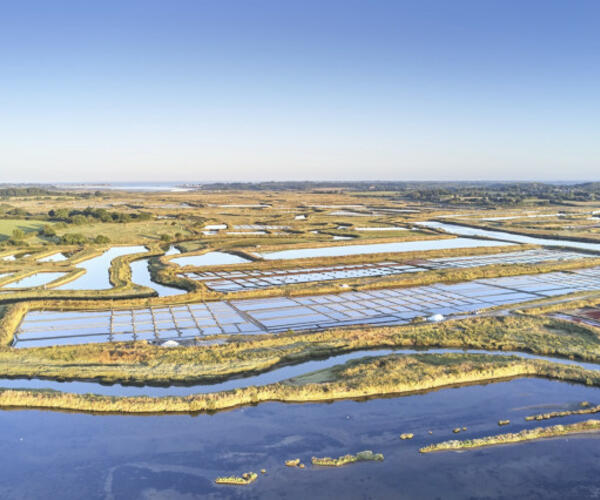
{"points": [[233, 281], [278, 314]]}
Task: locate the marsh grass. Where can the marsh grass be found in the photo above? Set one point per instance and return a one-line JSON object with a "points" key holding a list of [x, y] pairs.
{"points": [[361, 456], [245, 478], [368, 377], [566, 413], [518, 437], [140, 362]]}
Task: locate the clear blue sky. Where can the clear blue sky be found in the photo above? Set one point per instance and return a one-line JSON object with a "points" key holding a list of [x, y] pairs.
{"points": [[260, 90]]}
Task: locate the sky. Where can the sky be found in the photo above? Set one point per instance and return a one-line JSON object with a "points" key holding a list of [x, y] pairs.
{"points": [[255, 90]]}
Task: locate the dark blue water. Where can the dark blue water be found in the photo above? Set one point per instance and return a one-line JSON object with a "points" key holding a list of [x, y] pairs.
{"points": [[73, 456]]}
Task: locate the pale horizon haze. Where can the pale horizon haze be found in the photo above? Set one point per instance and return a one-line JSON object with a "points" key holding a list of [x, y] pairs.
{"points": [[204, 91]]}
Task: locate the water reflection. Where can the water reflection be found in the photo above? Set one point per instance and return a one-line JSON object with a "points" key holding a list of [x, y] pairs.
{"points": [[178, 457], [140, 275], [209, 259], [37, 279], [400, 246], [502, 235], [96, 269]]}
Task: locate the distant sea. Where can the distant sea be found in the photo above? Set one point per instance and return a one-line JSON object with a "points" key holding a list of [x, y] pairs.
{"points": [[132, 186]]}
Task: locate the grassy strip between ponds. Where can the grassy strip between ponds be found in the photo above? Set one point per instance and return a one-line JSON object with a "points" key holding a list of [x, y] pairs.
{"points": [[361, 456], [420, 278], [366, 377], [565, 413], [245, 478], [139, 363], [515, 437]]}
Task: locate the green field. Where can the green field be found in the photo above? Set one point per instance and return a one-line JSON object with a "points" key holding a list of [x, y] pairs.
{"points": [[7, 226]]}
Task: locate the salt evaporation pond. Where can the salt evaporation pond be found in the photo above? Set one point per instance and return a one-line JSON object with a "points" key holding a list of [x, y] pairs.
{"points": [[140, 275], [209, 259], [96, 269], [400, 246], [173, 250], [37, 279], [502, 235], [55, 257], [391, 306]]}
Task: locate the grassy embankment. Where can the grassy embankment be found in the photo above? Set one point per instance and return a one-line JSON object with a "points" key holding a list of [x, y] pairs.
{"points": [[361, 456], [515, 437], [586, 410], [246, 355], [592, 301], [367, 377], [245, 478]]}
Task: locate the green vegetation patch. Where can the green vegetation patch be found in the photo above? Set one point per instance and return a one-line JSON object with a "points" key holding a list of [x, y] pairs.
{"points": [[140, 362], [22, 228], [367, 377], [566, 413], [361, 456], [245, 478], [524, 435]]}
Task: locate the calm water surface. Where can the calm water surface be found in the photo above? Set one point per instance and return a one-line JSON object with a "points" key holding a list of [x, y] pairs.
{"points": [[502, 235], [400, 246], [209, 259], [37, 279], [73, 456], [96, 275], [140, 275]]}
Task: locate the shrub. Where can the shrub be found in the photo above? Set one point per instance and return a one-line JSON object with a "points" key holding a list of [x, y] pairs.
{"points": [[47, 231], [73, 239], [101, 239]]}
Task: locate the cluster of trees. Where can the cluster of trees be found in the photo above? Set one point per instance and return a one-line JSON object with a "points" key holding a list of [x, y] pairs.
{"points": [[80, 239], [17, 213], [167, 237], [485, 193], [495, 194], [48, 232], [23, 191], [13, 191], [95, 215]]}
